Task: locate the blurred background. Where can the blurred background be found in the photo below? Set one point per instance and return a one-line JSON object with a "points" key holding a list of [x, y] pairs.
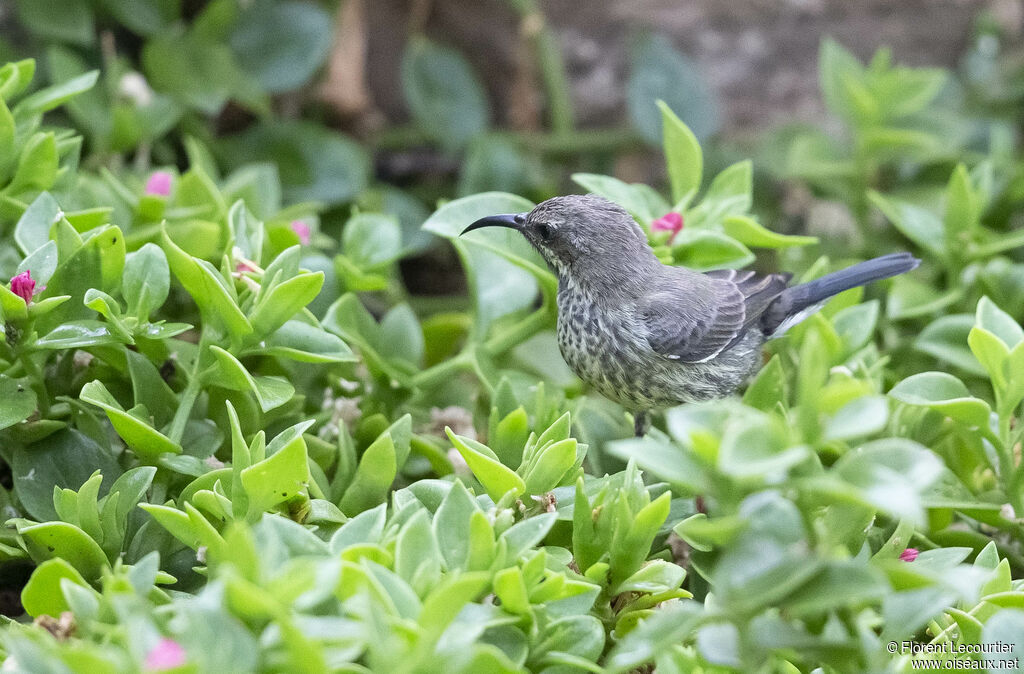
{"points": [[393, 105]]}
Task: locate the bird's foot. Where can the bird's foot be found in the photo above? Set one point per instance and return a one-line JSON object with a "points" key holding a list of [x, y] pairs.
{"points": [[641, 424]]}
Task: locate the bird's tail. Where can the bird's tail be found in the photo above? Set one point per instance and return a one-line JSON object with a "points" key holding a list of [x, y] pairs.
{"points": [[799, 302]]}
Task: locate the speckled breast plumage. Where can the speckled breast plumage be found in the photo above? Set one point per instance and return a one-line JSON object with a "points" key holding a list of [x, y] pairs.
{"points": [[606, 347]]}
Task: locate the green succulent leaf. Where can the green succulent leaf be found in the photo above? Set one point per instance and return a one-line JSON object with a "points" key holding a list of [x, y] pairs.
{"points": [[208, 289], [137, 432], [496, 478], [944, 393]]}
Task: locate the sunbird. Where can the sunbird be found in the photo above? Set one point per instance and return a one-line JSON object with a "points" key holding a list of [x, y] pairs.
{"points": [[649, 335]]}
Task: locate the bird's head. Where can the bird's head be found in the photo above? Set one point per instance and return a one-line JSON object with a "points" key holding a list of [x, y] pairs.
{"points": [[579, 235]]}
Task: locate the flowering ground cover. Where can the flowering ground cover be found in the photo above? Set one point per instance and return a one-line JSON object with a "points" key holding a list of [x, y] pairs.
{"points": [[234, 442]]}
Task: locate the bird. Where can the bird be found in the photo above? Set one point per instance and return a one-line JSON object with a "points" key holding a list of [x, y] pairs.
{"points": [[648, 335]]}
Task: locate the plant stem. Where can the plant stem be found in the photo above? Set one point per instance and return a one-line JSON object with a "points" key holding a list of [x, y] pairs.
{"points": [[586, 141], [38, 383], [438, 373], [495, 346], [565, 143], [861, 205], [549, 61], [1015, 473], [189, 395], [526, 328], [181, 415]]}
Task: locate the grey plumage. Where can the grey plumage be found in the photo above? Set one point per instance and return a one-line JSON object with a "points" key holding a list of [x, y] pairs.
{"points": [[649, 335]]}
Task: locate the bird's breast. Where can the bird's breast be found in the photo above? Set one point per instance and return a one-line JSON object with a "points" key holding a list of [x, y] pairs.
{"points": [[606, 345], [601, 343]]}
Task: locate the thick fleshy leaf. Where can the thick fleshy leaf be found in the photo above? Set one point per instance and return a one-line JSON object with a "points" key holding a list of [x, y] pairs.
{"points": [[683, 155], [66, 458], [768, 389], [916, 223], [451, 522], [891, 474], [503, 269], [43, 595], [96, 262], [33, 228], [550, 466], [53, 540], [705, 250], [749, 232], [998, 322], [943, 393], [41, 263], [301, 40], [1004, 632], [277, 478], [146, 281], [303, 342], [147, 442], [642, 202], [284, 301], [660, 72], [374, 475], [855, 325], [496, 478], [271, 392], [443, 93], [315, 163], [946, 338], [208, 289], [79, 334], [19, 401], [371, 240], [962, 208]]}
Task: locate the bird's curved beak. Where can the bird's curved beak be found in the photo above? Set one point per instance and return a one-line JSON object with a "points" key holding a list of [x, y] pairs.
{"points": [[510, 220]]}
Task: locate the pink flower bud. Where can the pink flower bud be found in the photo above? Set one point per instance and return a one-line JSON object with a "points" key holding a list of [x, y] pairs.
{"points": [[159, 184], [909, 555], [302, 230], [670, 222], [23, 286], [167, 654]]}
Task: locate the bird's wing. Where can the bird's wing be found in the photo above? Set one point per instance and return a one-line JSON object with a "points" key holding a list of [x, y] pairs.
{"points": [[695, 318], [758, 291]]}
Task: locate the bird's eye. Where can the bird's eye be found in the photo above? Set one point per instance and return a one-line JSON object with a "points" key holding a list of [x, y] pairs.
{"points": [[545, 231]]}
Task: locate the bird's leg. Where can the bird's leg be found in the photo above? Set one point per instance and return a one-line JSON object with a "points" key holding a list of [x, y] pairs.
{"points": [[641, 423]]}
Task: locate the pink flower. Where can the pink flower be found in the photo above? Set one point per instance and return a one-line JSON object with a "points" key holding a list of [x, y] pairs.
{"points": [[302, 230], [909, 555], [167, 654], [670, 222], [24, 286], [242, 263], [159, 184]]}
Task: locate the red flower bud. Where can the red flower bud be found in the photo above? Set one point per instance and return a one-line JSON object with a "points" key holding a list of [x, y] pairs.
{"points": [[167, 654], [909, 555], [24, 286], [302, 230], [159, 184], [670, 222]]}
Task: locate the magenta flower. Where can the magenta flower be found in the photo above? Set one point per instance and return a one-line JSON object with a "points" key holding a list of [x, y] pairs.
{"points": [[670, 222], [302, 230], [159, 184], [24, 286], [167, 654], [909, 555]]}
